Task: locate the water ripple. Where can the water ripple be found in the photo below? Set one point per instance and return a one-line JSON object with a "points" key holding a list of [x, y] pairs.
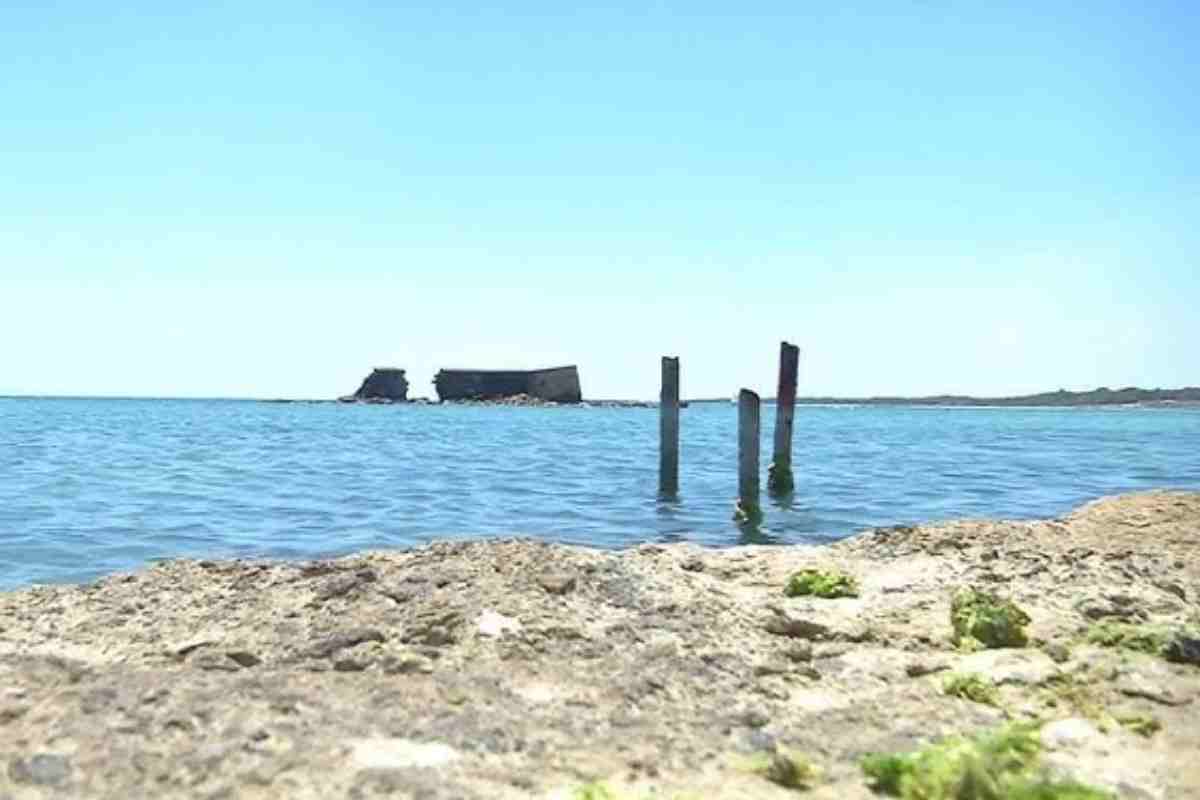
{"points": [[90, 486]]}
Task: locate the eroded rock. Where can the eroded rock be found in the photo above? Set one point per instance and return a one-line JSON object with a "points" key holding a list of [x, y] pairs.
{"points": [[344, 639], [373, 673], [42, 769], [558, 583]]}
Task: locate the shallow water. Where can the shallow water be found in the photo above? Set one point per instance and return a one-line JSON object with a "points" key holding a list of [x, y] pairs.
{"points": [[92, 486]]}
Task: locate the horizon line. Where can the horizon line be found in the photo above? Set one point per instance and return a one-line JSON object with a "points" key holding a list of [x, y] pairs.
{"points": [[818, 398]]}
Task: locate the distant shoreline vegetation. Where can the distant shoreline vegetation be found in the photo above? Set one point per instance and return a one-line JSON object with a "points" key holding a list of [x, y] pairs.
{"points": [[1097, 397]]}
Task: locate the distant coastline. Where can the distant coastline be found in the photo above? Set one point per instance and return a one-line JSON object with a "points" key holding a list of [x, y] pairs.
{"points": [[1061, 398], [1130, 396]]}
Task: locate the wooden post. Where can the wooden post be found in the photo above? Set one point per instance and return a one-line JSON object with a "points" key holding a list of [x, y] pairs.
{"points": [[668, 428], [779, 474], [748, 509]]}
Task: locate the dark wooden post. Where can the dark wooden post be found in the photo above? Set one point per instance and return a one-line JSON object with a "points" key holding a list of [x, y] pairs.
{"points": [[779, 474], [748, 509], [668, 428]]}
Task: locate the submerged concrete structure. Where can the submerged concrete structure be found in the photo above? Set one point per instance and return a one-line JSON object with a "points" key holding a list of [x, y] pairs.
{"points": [[557, 384], [384, 383]]}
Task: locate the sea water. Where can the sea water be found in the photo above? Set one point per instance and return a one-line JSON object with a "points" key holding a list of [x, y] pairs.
{"points": [[92, 486]]}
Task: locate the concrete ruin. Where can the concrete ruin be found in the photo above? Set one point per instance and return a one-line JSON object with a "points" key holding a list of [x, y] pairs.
{"points": [[557, 385], [384, 383]]}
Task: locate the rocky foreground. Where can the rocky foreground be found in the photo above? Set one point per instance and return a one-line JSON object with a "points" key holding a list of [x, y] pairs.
{"points": [[515, 669]]}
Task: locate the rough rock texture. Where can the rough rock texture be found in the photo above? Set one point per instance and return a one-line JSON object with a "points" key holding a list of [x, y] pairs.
{"points": [[558, 385], [517, 669], [384, 383]]}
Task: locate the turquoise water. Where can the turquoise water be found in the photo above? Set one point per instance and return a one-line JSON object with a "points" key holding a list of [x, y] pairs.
{"points": [[92, 486]]}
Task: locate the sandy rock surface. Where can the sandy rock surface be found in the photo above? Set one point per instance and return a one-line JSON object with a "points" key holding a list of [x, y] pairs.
{"points": [[517, 669]]}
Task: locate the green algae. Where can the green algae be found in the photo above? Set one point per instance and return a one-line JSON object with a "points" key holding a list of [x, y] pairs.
{"points": [[780, 479], [972, 686], [981, 619], [785, 768], [593, 791], [828, 584], [1076, 695], [999, 765], [1141, 724], [597, 790], [1180, 644], [747, 514], [1124, 636]]}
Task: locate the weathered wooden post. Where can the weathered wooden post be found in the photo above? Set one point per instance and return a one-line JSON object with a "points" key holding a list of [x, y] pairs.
{"points": [[748, 509], [668, 428], [779, 474]]}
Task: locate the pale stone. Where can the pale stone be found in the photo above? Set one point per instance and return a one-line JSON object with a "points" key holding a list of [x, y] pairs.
{"points": [[492, 623], [817, 700], [1068, 732], [537, 693], [385, 753], [1021, 667]]}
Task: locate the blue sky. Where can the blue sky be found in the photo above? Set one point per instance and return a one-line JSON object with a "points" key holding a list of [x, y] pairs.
{"points": [[268, 199]]}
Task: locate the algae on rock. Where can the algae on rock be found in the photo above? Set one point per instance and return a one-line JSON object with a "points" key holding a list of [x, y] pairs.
{"points": [[593, 791], [1000, 765], [983, 619], [972, 686], [1141, 724], [1125, 636], [1077, 695], [827, 584], [747, 513], [785, 768], [1179, 645]]}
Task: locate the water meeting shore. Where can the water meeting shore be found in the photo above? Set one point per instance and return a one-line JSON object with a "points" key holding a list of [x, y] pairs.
{"points": [[521, 669]]}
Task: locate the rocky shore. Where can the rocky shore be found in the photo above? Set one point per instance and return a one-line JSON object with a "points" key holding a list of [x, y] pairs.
{"points": [[518, 669]]}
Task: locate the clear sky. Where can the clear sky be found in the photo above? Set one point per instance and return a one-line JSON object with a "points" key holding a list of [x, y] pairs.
{"points": [[268, 199]]}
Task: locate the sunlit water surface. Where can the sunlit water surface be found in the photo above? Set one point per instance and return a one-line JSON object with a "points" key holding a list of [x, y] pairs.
{"points": [[92, 486]]}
